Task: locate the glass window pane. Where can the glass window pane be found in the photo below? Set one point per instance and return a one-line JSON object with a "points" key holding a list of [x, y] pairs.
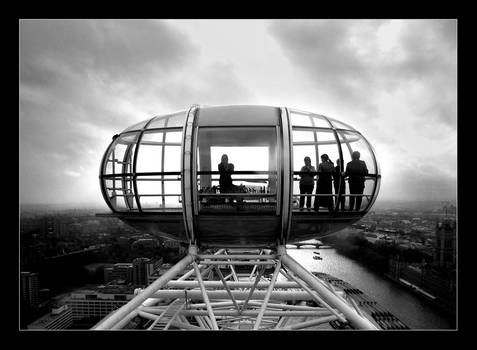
{"points": [[149, 185], [327, 145], [121, 194], [320, 122], [174, 137], [176, 119], [249, 149], [109, 187], [351, 142], [300, 136], [325, 137], [242, 115], [109, 164], [158, 122], [121, 154], [172, 187], [354, 193], [151, 203], [299, 154], [340, 125], [368, 191], [137, 126], [298, 119], [172, 158], [168, 121], [155, 192], [127, 139], [152, 137], [121, 203], [149, 159]]}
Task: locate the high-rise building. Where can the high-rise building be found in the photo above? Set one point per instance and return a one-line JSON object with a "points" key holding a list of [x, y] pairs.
{"points": [[30, 287], [139, 271], [445, 248], [143, 269]]}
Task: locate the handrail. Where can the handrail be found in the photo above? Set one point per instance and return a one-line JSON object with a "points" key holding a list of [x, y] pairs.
{"points": [[331, 195], [155, 173], [331, 173], [242, 172], [227, 194]]}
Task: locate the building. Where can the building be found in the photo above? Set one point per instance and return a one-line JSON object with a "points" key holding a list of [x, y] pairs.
{"points": [[119, 271], [139, 271], [163, 268], [151, 267], [30, 289], [445, 243], [98, 302], [145, 243], [52, 227], [143, 269], [60, 317]]}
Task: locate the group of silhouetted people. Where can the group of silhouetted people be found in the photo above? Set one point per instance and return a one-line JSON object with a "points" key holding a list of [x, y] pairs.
{"points": [[329, 175]]}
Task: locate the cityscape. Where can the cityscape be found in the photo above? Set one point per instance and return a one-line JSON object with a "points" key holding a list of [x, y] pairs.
{"points": [[77, 267], [165, 165]]}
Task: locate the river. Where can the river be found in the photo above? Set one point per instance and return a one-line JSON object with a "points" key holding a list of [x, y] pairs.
{"points": [[404, 304]]}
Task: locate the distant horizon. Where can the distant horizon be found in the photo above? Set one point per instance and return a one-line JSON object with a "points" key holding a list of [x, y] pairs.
{"points": [[94, 205]]}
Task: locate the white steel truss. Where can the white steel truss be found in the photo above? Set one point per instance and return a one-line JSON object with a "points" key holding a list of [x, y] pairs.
{"points": [[264, 290]]}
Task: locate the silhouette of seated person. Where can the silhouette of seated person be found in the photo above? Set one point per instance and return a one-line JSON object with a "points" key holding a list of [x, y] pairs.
{"points": [[340, 185], [356, 171], [307, 183], [225, 182], [325, 184]]}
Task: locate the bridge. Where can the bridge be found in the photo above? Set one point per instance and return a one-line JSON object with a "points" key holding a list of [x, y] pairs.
{"points": [[313, 242]]}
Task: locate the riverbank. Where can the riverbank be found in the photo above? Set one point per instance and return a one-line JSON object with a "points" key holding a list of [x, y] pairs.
{"points": [[379, 264], [445, 307], [401, 302]]}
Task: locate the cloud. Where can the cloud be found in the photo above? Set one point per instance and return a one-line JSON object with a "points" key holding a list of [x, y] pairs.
{"points": [[78, 85], [215, 84], [81, 81], [396, 82], [353, 61], [120, 50], [71, 173], [325, 52]]}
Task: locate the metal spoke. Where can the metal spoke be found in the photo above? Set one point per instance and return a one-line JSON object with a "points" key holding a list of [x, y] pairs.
{"points": [[205, 297]]}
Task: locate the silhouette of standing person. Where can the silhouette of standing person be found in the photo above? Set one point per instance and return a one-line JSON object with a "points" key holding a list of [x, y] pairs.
{"points": [[324, 184], [307, 182], [356, 171], [225, 181], [340, 185]]}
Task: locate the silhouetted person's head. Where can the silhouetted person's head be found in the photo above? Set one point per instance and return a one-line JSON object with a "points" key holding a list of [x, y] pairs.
{"points": [[225, 159], [324, 157], [355, 155], [307, 161]]}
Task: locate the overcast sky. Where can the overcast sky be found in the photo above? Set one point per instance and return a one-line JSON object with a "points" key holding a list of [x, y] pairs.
{"points": [[82, 81]]}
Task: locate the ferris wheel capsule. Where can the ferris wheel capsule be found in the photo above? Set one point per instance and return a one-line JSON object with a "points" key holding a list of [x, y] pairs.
{"points": [[240, 176]]}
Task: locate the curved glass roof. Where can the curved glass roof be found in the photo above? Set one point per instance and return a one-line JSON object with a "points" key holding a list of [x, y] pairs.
{"points": [[174, 120]]}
